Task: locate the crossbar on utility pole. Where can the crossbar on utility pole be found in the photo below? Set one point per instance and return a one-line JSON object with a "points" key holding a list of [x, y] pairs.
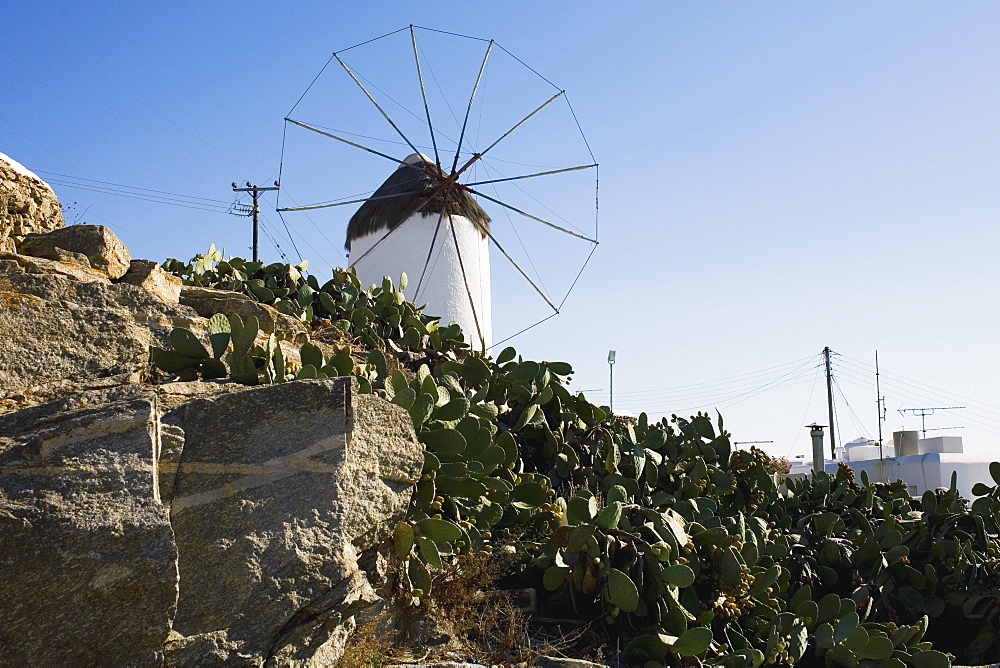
{"points": [[255, 192]]}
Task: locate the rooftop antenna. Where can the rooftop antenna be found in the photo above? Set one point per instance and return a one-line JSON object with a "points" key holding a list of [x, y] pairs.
{"points": [[924, 412]]}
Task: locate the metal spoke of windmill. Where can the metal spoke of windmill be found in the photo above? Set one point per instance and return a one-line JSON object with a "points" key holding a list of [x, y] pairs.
{"points": [[424, 222]]}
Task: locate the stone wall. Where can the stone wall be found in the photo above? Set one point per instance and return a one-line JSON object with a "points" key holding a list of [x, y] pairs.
{"points": [[27, 204]]}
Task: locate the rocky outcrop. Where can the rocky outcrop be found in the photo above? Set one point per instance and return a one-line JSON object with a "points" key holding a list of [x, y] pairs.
{"points": [[64, 322], [85, 545], [93, 245], [151, 277], [27, 204], [208, 301], [201, 523], [176, 524]]}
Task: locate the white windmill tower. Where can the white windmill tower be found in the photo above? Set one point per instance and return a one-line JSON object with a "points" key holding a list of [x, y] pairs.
{"points": [[429, 218], [438, 236]]}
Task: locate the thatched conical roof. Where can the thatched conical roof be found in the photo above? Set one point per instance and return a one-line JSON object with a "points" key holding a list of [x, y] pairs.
{"points": [[414, 187]]}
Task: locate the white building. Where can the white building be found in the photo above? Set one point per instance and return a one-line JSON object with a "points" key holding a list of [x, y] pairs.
{"points": [[922, 463], [421, 223]]}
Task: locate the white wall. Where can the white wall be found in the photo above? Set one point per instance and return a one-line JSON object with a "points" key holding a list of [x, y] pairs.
{"points": [[443, 289], [919, 472]]}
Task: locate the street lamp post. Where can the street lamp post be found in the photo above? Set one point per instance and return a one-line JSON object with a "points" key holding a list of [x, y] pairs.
{"points": [[611, 373]]}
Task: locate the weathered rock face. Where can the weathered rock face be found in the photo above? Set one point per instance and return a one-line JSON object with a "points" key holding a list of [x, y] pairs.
{"points": [[85, 544], [64, 322], [196, 524], [103, 251], [27, 204], [153, 279]]}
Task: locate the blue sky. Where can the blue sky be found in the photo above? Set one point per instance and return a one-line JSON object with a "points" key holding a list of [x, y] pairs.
{"points": [[775, 177]]}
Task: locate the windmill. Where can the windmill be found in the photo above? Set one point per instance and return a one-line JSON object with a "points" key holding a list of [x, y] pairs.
{"points": [[429, 218]]}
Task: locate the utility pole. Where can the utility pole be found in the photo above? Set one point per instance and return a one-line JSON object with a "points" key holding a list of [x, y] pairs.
{"points": [[829, 401], [255, 192], [881, 412]]}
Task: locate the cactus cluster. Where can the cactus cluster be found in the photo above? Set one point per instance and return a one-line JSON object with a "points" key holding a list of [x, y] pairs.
{"points": [[285, 287], [661, 532]]}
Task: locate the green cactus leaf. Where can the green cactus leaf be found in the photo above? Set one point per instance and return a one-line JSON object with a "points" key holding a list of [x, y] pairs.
{"points": [[678, 575], [307, 372], [377, 358], [443, 441], [580, 510], [440, 531], [841, 657], [824, 636], [618, 493], [485, 411], [420, 578], [213, 368], [802, 594], [402, 539], [261, 293], [995, 472], [554, 577], [422, 408], [930, 658], [731, 567], [523, 372], [608, 517], [467, 488], [879, 648], [527, 416], [310, 353], [798, 641], [509, 445], [531, 494], [170, 361], [829, 608], [491, 457], [844, 626], [857, 640], [560, 368], [456, 409], [506, 355], [694, 642], [622, 592], [404, 397], [186, 343], [326, 300]]}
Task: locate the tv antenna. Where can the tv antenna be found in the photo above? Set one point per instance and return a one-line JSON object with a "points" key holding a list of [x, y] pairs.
{"points": [[924, 412]]}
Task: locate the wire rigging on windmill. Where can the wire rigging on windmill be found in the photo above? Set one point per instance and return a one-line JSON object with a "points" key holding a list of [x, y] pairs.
{"points": [[430, 218]]}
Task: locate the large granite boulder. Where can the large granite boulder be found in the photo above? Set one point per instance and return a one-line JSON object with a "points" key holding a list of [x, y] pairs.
{"points": [[197, 523], [27, 204], [95, 245], [87, 553]]}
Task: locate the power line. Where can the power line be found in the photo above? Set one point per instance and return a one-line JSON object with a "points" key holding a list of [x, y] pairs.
{"points": [[120, 185]]}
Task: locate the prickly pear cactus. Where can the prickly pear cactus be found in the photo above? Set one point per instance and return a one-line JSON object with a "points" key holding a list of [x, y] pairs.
{"points": [[661, 532]]}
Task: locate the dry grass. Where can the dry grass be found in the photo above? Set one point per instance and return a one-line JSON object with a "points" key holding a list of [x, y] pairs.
{"points": [[483, 619], [365, 648]]}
